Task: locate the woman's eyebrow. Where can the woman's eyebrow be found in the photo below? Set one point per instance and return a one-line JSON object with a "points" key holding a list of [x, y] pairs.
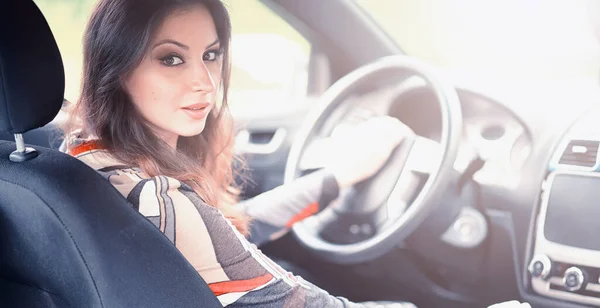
{"points": [[213, 43], [169, 41]]}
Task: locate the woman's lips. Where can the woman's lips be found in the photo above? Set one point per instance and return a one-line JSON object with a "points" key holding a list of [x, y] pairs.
{"points": [[197, 111]]}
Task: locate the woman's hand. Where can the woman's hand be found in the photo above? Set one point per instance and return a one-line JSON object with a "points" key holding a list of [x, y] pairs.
{"points": [[359, 151]]}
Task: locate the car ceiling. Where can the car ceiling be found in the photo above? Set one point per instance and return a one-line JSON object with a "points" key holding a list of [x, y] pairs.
{"points": [[336, 34]]}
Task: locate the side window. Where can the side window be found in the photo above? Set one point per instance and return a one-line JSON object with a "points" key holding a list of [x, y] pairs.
{"points": [[269, 57]]}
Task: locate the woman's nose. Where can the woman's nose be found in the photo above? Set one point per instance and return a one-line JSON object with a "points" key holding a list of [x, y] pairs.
{"points": [[202, 80]]}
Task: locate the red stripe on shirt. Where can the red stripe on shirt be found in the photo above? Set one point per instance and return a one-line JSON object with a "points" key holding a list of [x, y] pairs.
{"points": [[86, 147], [308, 211], [220, 288]]}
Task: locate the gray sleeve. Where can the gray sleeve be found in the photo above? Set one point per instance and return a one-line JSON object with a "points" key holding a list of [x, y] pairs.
{"points": [[274, 212]]}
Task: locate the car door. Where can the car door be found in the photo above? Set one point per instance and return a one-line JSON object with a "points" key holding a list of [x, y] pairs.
{"points": [[269, 92]]}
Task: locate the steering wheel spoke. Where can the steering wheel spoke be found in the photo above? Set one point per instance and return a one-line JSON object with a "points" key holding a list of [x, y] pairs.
{"points": [[424, 156], [408, 185], [387, 195]]}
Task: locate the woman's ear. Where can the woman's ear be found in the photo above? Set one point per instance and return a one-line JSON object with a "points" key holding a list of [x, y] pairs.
{"points": [[124, 81]]}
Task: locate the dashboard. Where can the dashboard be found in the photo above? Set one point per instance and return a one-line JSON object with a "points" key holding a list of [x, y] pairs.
{"points": [[564, 262], [561, 261], [524, 147]]}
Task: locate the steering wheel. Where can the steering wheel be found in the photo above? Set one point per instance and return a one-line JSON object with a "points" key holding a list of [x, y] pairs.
{"points": [[385, 207]]}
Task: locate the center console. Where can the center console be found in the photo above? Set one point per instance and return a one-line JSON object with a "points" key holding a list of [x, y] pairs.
{"points": [[566, 249], [564, 262]]}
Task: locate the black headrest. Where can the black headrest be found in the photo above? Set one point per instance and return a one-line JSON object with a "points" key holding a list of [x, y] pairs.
{"points": [[32, 79]]}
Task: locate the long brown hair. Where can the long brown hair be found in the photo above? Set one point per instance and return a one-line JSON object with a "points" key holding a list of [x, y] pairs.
{"points": [[116, 40]]}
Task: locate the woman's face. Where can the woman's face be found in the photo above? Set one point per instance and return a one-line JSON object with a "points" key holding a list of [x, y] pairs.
{"points": [[175, 86]]}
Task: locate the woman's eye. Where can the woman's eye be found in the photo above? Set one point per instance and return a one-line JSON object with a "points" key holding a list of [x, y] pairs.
{"points": [[210, 56], [171, 60]]}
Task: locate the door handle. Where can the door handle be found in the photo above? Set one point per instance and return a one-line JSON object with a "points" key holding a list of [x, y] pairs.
{"points": [[245, 144]]}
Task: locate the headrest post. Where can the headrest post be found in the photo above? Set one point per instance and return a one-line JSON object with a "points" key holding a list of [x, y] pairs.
{"points": [[20, 143], [22, 153]]}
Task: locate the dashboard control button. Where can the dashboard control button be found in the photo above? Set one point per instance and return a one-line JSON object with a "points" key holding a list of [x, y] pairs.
{"points": [[574, 279], [540, 266]]}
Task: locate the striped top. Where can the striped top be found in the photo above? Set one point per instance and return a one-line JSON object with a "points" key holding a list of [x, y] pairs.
{"points": [[272, 213], [235, 270]]}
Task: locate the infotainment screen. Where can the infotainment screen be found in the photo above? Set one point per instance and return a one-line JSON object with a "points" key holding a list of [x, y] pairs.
{"points": [[573, 214]]}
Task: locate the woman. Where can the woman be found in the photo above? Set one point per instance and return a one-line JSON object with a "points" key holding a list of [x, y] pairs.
{"points": [[154, 122]]}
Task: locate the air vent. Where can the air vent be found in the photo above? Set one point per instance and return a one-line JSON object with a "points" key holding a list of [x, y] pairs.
{"points": [[580, 153]]}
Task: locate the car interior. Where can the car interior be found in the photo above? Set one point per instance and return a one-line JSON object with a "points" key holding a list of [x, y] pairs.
{"points": [[492, 199]]}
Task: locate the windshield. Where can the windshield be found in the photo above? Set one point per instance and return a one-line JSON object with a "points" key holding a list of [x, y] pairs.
{"points": [[530, 39]]}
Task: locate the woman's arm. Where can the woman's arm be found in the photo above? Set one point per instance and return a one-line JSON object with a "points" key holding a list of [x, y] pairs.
{"points": [[274, 212], [355, 154]]}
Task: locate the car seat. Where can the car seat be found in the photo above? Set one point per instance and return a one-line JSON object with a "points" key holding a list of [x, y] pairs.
{"points": [[67, 237]]}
